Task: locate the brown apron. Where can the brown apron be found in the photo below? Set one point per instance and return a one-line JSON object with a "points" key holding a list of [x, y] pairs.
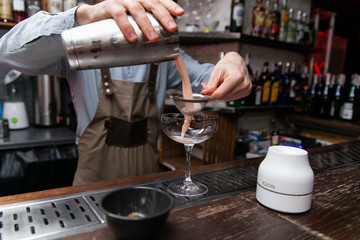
{"points": [[121, 139]]}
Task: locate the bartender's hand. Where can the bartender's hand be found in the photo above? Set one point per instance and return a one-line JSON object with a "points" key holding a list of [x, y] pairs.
{"points": [[118, 9], [229, 80]]}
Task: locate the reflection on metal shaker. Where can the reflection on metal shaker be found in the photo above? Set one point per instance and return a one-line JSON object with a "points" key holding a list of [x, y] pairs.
{"points": [[47, 100], [102, 44]]}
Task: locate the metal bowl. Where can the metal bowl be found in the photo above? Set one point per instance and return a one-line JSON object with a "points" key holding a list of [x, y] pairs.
{"points": [[136, 212]]}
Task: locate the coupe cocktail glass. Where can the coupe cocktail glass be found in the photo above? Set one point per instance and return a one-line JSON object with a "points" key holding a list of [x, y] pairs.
{"points": [[202, 127]]}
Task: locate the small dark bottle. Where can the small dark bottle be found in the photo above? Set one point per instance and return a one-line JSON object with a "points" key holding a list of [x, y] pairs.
{"points": [[266, 84], [318, 97], [305, 86], [326, 98], [275, 81], [284, 88], [275, 21], [256, 91], [6, 11], [275, 134], [348, 107], [237, 15], [312, 96], [19, 10], [33, 6], [293, 82], [280, 88], [356, 113], [338, 96]]}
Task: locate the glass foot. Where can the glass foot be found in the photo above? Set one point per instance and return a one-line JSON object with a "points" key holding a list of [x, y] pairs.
{"points": [[191, 189]]}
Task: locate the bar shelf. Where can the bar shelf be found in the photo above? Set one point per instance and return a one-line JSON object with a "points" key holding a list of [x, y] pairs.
{"points": [[200, 38]]}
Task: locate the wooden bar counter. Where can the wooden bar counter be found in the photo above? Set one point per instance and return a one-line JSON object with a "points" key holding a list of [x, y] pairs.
{"points": [[334, 213]]}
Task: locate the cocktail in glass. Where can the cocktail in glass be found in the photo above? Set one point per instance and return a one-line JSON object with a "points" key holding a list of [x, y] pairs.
{"points": [[200, 129]]}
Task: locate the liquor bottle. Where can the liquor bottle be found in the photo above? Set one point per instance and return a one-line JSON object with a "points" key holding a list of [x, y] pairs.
{"points": [[311, 32], [284, 21], [291, 33], [306, 30], [318, 96], [19, 10], [6, 11], [265, 81], [68, 4], [297, 89], [267, 20], [305, 101], [286, 85], [281, 85], [275, 134], [33, 6], [257, 19], [247, 100], [299, 34], [326, 98], [257, 90], [274, 77], [293, 81], [237, 15], [275, 21], [332, 95], [347, 108], [56, 6], [312, 99], [338, 96], [356, 113]]}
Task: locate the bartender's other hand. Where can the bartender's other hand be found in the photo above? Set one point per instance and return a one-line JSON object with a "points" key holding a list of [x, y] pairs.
{"points": [[229, 80], [119, 9]]}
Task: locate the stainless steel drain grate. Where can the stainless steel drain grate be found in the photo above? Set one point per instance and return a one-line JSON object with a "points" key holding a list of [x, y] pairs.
{"points": [[68, 215], [334, 158], [34, 220]]}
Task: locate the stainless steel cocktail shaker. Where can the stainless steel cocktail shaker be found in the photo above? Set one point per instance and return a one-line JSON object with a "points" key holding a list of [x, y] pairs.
{"points": [[102, 44]]}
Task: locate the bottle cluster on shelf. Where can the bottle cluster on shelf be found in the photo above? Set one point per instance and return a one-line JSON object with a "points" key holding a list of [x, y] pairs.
{"points": [[335, 97], [275, 85], [14, 11], [329, 96], [271, 20]]}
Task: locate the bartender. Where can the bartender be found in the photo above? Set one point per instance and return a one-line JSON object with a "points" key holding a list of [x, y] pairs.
{"points": [[117, 133]]}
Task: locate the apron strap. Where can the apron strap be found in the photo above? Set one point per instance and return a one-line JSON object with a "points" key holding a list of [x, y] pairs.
{"points": [[108, 88], [106, 81], [152, 81]]}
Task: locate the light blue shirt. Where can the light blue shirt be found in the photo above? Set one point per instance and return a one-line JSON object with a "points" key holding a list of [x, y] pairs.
{"points": [[34, 47]]}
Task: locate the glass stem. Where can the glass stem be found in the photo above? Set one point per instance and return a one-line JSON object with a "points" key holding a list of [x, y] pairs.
{"points": [[188, 150]]}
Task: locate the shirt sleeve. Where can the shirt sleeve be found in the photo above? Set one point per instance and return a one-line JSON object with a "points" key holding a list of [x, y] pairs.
{"points": [[34, 45], [197, 72]]}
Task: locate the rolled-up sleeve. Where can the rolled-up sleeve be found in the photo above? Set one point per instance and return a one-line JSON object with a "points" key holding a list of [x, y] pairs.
{"points": [[34, 45]]}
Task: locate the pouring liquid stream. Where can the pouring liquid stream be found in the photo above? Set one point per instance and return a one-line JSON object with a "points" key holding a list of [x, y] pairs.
{"points": [[190, 109]]}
